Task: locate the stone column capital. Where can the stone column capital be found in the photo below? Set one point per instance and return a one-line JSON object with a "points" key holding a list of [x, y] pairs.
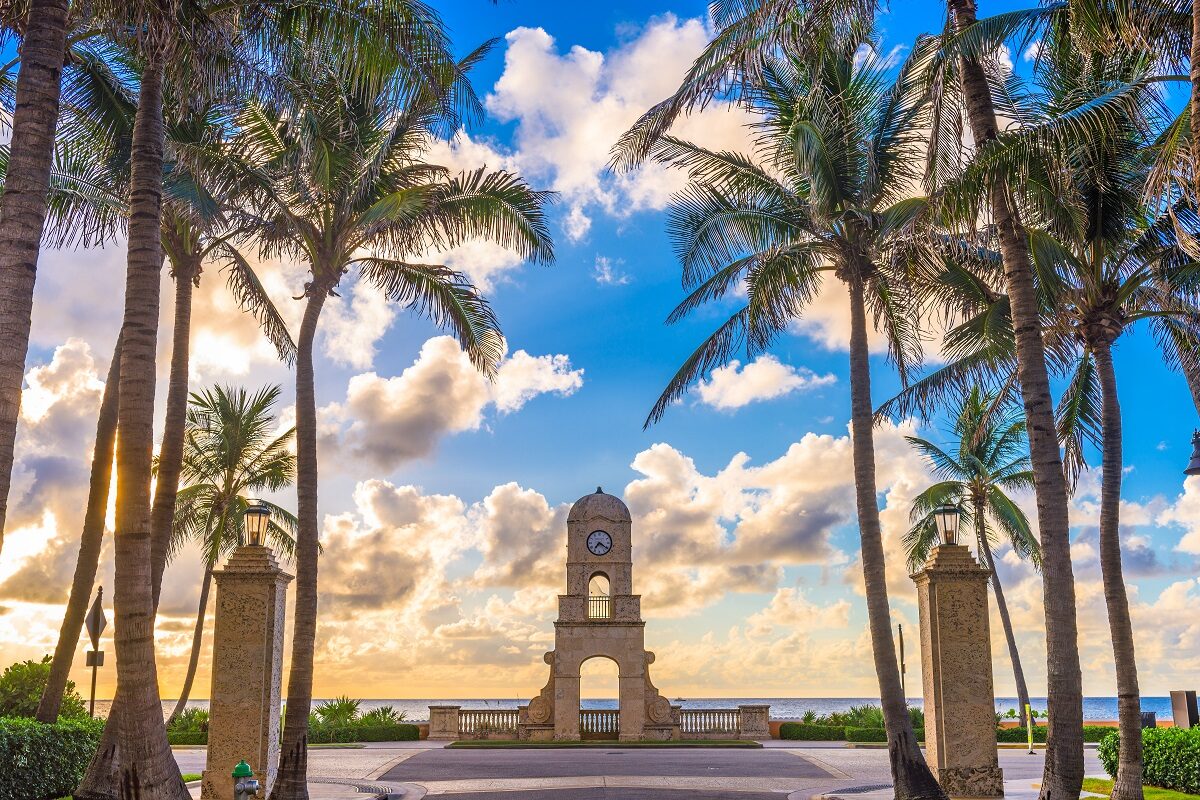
{"points": [[252, 561], [951, 562]]}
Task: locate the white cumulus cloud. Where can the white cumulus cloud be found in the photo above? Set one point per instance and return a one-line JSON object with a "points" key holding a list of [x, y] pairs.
{"points": [[765, 378]]}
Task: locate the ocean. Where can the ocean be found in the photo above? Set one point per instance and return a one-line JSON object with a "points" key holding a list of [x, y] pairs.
{"points": [[1094, 708]]}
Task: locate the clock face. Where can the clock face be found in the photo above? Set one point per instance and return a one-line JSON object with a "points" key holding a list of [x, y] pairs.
{"points": [[599, 543]]}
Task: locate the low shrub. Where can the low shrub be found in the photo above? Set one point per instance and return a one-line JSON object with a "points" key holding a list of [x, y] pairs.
{"points": [[1091, 734], [1019, 735], [1170, 757], [187, 737], [804, 732], [21, 687], [365, 733], [39, 761], [866, 735], [190, 720]]}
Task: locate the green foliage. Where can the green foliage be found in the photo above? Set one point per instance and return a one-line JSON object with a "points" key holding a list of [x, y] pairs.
{"points": [[384, 715], [917, 716], [865, 734], [1170, 757], [187, 737], [39, 761], [190, 720], [1091, 734], [1018, 735], [21, 687], [340, 712], [362, 733], [806, 732]]}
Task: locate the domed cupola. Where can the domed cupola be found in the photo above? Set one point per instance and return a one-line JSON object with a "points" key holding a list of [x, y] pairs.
{"points": [[599, 505]]}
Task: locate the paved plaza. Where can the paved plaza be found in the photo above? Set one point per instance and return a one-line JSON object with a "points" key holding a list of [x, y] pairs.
{"points": [[791, 770]]}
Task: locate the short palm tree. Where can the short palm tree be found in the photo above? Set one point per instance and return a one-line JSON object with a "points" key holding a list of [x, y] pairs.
{"points": [[989, 459], [837, 150], [231, 453], [347, 186]]}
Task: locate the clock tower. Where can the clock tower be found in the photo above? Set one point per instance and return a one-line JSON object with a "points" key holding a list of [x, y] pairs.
{"points": [[599, 616]]}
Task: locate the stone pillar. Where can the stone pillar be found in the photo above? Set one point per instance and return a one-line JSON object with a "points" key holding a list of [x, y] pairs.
{"points": [[956, 665], [566, 708], [632, 703], [443, 722], [755, 721], [247, 670]]}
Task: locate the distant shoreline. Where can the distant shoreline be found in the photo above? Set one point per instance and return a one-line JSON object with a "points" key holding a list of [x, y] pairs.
{"points": [[1095, 709]]}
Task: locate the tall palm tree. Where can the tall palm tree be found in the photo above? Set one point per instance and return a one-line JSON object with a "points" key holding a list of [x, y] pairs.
{"points": [[990, 458], [348, 187], [230, 453], [837, 148], [87, 194], [1063, 773], [1105, 261], [42, 29]]}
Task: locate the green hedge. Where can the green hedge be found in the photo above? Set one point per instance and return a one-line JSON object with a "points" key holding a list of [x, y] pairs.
{"points": [[187, 737], [1170, 757], [803, 732], [365, 733], [866, 735], [1091, 734], [39, 761]]}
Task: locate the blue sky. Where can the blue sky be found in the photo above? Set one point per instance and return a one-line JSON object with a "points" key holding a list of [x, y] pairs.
{"points": [[443, 500]]}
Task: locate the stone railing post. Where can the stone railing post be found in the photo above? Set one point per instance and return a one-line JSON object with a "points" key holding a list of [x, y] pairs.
{"points": [[247, 670], [956, 666], [443, 722], [755, 721]]}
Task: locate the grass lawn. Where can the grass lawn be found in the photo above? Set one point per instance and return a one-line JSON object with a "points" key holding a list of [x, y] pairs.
{"points": [[188, 777], [609, 744], [1152, 792]]}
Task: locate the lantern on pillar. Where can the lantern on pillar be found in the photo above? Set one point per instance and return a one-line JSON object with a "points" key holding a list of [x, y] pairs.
{"points": [[946, 517], [1193, 467], [258, 514]]}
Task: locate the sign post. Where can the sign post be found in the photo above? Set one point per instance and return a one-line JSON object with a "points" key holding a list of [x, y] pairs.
{"points": [[95, 623], [1030, 722]]}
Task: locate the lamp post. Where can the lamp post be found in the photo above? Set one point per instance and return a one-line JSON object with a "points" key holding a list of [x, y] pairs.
{"points": [[1193, 467], [946, 517], [258, 514]]}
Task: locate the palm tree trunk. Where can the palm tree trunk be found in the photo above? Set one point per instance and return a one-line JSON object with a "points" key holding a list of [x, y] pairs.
{"points": [[170, 453], [197, 639], [90, 543], [910, 774], [145, 756], [23, 209], [1062, 778], [1194, 121], [1128, 783], [985, 547], [291, 782]]}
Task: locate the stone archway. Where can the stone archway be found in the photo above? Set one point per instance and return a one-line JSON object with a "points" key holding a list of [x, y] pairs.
{"points": [[599, 678]]}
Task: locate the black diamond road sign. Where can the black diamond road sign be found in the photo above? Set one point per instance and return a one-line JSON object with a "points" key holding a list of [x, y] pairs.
{"points": [[96, 622]]}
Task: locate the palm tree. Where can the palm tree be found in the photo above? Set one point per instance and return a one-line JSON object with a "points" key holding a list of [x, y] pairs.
{"points": [[226, 45], [837, 146], [1106, 261], [989, 458], [1063, 774], [43, 34], [230, 453], [348, 187]]}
